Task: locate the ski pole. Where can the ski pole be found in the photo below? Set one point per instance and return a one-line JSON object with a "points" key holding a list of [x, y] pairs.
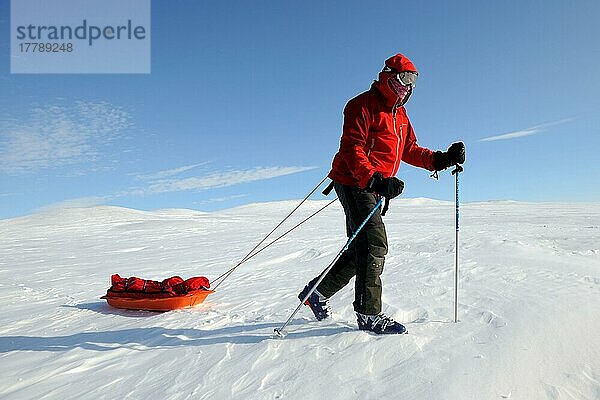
{"points": [[456, 171], [281, 331]]}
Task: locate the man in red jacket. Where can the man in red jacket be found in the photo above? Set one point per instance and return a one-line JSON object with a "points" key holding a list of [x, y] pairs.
{"points": [[377, 136]]}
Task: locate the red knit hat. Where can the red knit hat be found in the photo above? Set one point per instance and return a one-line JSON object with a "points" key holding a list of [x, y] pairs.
{"points": [[400, 63]]}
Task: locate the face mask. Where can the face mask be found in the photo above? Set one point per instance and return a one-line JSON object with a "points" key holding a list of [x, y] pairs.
{"points": [[402, 91], [396, 86]]}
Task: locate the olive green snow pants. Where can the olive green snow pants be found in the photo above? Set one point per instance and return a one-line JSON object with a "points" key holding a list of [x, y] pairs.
{"points": [[365, 256]]}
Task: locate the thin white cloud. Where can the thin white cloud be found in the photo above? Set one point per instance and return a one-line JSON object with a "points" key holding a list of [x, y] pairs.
{"points": [[214, 180], [222, 199], [168, 173], [80, 202], [525, 132], [210, 181], [548, 124], [511, 135], [55, 136]]}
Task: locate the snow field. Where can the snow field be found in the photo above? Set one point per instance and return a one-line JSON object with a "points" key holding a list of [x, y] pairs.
{"points": [[529, 306]]}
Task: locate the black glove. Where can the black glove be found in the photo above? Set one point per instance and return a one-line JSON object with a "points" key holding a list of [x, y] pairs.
{"points": [[454, 155], [386, 187]]}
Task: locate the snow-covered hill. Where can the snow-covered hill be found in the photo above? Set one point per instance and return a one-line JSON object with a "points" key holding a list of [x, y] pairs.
{"points": [[529, 306]]}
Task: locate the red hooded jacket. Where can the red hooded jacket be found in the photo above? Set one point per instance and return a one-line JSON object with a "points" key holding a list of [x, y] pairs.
{"points": [[377, 135]]}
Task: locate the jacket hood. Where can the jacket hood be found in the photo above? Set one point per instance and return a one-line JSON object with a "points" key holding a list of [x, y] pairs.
{"points": [[398, 63]]}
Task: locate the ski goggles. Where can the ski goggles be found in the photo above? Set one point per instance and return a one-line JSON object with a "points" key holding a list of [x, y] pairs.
{"points": [[406, 78]]}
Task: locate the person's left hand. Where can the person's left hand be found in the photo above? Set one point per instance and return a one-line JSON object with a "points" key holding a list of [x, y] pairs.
{"points": [[454, 155]]}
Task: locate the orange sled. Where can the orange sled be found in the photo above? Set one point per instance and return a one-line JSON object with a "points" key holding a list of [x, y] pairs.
{"points": [[157, 303], [142, 294]]}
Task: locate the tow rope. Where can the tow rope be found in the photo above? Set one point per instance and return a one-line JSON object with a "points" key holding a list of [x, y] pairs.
{"points": [[254, 250]]}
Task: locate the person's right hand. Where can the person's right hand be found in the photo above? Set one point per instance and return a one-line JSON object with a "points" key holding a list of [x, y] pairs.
{"points": [[386, 187]]}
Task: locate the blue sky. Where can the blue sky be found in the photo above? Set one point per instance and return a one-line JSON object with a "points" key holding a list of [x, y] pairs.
{"points": [[244, 104]]}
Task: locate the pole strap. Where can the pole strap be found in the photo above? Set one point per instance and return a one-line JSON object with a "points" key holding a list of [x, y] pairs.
{"points": [[386, 207]]}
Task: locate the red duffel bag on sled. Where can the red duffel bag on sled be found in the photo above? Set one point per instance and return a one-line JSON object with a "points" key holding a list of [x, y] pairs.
{"points": [[170, 294]]}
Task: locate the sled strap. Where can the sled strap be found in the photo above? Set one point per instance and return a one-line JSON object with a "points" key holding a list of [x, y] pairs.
{"points": [[328, 189], [226, 275]]}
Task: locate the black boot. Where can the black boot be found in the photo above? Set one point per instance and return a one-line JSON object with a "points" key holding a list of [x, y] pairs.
{"points": [[379, 324]]}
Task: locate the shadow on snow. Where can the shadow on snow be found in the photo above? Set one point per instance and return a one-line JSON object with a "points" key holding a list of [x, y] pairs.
{"points": [[142, 339]]}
